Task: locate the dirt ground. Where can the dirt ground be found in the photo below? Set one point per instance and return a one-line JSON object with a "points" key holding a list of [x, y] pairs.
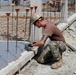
{"points": [[68, 67], [12, 28]]}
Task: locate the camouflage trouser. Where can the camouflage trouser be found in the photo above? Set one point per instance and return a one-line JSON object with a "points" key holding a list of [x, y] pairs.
{"points": [[53, 50]]}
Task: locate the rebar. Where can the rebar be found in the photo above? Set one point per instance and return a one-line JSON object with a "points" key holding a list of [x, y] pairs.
{"points": [[8, 14], [47, 8], [50, 10], [12, 4], [27, 10], [35, 7], [0, 3], [55, 11], [31, 9], [17, 11], [44, 3], [59, 9]]}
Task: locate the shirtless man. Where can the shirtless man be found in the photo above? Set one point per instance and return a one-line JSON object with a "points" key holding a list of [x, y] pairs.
{"points": [[57, 43]]}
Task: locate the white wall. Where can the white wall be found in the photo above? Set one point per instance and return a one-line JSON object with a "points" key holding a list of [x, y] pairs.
{"points": [[64, 10]]}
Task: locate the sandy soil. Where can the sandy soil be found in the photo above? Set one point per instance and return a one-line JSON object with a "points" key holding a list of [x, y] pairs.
{"points": [[68, 67]]}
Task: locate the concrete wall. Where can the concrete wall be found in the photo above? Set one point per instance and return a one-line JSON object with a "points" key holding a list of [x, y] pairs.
{"points": [[5, 2], [64, 7], [34, 29]]}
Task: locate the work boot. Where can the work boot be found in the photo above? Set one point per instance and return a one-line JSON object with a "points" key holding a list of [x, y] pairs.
{"points": [[57, 64]]}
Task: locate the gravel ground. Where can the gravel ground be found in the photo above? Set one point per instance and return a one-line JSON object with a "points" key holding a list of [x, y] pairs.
{"points": [[68, 67], [69, 59], [21, 28]]}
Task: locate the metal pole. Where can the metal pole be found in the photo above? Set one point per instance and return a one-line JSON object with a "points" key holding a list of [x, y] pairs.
{"points": [[44, 3], [17, 11], [55, 11], [31, 8], [50, 11], [35, 7], [47, 9], [8, 14], [27, 10], [59, 7], [75, 6], [0, 3], [12, 15]]}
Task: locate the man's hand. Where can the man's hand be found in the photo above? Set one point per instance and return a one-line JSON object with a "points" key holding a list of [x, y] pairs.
{"points": [[30, 45], [34, 42]]}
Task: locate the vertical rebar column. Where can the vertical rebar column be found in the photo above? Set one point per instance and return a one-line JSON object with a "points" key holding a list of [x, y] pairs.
{"points": [[75, 6], [59, 9], [8, 14], [0, 3], [17, 11], [50, 9], [27, 10], [12, 4], [31, 9], [43, 8], [55, 11], [35, 7], [47, 9]]}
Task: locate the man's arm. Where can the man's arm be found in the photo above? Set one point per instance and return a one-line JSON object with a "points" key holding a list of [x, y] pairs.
{"points": [[38, 43], [41, 42]]}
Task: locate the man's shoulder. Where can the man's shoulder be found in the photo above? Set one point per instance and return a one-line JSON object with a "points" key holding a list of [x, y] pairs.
{"points": [[50, 25]]}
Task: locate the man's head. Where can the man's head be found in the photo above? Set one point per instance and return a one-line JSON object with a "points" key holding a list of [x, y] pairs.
{"points": [[36, 18]]}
